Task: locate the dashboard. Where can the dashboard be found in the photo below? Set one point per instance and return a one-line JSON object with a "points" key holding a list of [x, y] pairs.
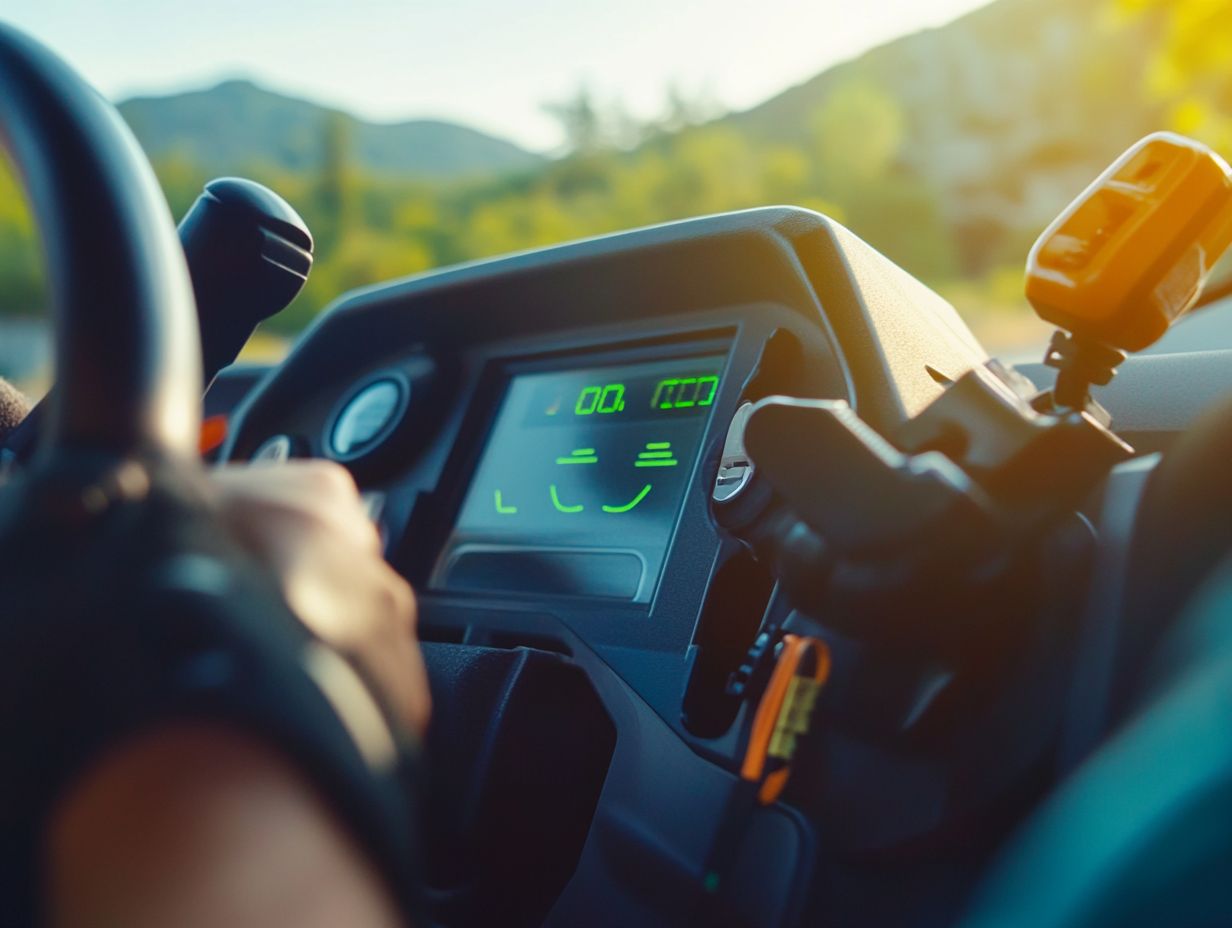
{"points": [[549, 383], [539, 438]]}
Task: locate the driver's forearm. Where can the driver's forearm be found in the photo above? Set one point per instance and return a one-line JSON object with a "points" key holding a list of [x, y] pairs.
{"points": [[200, 825]]}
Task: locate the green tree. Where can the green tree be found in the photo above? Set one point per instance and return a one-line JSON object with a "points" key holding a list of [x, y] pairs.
{"points": [[580, 121], [857, 133], [335, 195]]}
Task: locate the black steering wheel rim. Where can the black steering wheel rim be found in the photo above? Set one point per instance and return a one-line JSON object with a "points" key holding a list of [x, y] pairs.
{"points": [[127, 350]]}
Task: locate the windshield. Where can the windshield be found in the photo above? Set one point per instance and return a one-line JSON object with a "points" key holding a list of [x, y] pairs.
{"points": [[945, 132]]}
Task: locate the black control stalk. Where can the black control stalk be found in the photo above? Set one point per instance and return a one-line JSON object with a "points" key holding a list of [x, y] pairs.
{"points": [[249, 254]]}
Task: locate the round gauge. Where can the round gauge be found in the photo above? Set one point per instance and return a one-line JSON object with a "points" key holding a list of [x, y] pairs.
{"points": [[274, 450], [368, 417]]}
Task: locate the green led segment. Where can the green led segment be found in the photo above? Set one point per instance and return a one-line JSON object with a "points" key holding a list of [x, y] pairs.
{"points": [[502, 508], [605, 399], [580, 456], [632, 503], [657, 454], [684, 392], [561, 507]]}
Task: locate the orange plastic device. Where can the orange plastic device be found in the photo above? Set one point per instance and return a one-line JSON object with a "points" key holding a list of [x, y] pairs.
{"points": [[784, 714], [1131, 254]]}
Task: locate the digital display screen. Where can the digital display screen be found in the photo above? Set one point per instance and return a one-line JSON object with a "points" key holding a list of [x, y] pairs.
{"points": [[578, 487]]}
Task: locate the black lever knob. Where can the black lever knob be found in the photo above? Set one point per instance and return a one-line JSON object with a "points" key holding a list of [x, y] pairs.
{"points": [[249, 254]]}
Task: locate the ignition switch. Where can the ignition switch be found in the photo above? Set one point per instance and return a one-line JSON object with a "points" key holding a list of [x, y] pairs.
{"points": [[735, 468]]}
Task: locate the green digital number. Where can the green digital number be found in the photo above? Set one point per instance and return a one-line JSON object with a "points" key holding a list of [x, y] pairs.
{"points": [[612, 399], [684, 392], [664, 393], [605, 399], [587, 401]]}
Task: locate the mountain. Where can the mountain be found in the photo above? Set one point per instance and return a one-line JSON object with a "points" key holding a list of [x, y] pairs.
{"points": [[1007, 113], [237, 124]]}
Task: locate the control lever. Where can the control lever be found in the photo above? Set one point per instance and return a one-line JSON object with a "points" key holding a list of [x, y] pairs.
{"points": [[872, 538], [248, 253], [866, 497]]}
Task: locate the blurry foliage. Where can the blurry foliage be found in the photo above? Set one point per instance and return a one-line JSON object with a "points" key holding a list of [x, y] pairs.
{"points": [[21, 264], [618, 174], [1192, 69], [858, 131]]}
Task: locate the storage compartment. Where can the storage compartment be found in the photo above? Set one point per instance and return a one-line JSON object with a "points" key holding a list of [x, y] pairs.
{"points": [[517, 755]]}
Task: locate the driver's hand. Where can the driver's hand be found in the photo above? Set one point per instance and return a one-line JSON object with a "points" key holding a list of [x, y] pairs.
{"points": [[305, 522]]}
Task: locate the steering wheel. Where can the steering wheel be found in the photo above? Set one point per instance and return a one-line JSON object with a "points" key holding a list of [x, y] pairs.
{"points": [[122, 603], [127, 348]]}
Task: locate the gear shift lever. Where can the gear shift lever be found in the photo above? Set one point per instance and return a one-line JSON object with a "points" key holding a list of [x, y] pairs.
{"points": [[249, 254]]}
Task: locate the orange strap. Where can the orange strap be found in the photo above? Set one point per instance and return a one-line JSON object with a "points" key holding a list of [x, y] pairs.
{"points": [[783, 713]]}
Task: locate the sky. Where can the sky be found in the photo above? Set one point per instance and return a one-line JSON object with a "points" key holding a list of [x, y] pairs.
{"points": [[491, 64]]}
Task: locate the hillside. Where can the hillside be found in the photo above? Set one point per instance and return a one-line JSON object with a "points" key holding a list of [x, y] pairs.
{"points": [[1007, 113], [236, 124]]}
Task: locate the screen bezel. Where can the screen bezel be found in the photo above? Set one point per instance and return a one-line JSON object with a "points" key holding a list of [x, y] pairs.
{"points": [[484, 410]]}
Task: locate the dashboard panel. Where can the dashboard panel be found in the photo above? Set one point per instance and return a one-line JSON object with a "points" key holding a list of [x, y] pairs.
{"points": [[775, 300]]}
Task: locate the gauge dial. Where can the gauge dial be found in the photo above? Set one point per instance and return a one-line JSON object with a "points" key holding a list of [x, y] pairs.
{"points": [[368, 417]]}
